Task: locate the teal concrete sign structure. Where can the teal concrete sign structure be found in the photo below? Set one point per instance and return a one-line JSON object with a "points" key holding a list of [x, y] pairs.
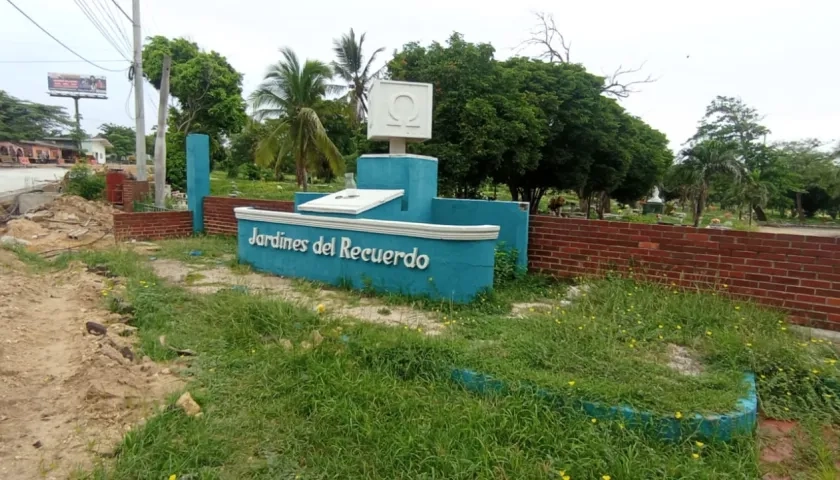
{"points": [[390, 234], [198, 177]]}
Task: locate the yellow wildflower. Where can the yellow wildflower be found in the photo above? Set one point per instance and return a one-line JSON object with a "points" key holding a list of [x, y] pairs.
{"points": [[695, 456], [605, 477], [172, 477], [700, 444], [594, 420], [749, 345], [678, 415], [737, 307], [709, 333], [660, 326], [571, 383], [321, 308]]}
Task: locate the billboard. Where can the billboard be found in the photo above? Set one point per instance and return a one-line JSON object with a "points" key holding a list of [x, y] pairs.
{"points": [[71, 85]]}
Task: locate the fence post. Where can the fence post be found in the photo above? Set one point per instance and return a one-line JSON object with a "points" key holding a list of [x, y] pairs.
{"points": [[198, 177]]}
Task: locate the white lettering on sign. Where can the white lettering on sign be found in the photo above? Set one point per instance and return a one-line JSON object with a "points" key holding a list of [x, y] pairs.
{"points": [[346, 249]]}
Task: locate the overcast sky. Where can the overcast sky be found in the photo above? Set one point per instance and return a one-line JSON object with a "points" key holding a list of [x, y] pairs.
{"points": [[778, 56]]}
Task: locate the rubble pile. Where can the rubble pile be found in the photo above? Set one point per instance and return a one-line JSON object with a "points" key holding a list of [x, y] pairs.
{"points": [[65, 223]]}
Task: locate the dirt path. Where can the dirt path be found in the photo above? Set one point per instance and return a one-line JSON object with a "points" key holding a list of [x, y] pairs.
{"points": [[210, 278], [64, 402]]}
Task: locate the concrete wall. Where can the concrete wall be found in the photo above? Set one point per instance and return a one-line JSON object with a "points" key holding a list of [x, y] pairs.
{"points": [[303, 197], [457, 270], [394, 172], [512, 218]]}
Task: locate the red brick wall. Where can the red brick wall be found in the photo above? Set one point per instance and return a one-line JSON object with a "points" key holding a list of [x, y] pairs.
{"points": [[134, 190], [798, 273], [218, 212], [152, 225]]}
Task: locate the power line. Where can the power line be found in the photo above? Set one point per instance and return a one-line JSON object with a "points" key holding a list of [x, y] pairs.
{"points": [[92, 18], [60, 61], [123, 12], [59, 41], [103, 7], [88, 12]]}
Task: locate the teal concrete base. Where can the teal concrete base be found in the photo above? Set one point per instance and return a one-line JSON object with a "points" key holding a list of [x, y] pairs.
{"points": [[511, 217], [720, 427], [198, 177], [394, 262]]}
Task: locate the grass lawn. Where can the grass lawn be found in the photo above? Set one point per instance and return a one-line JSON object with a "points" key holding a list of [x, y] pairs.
{"points": [[377, 402], [221, 185]]}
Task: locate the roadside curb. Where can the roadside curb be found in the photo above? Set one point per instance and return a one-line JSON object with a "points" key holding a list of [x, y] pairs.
{"points": [[713, 427]]}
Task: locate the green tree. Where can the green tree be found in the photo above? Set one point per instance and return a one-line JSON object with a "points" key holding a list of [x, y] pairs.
{"points": [[478, 117], [701, 163], [729, 119], [352, 68], [813, 177], [293, 92], [121, 137], [23, 120], [338, 120], [650, 160], [243, 145], [206, 92]]}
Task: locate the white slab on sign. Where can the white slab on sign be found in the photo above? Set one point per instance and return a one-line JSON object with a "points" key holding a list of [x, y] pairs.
{"points": [[400, 110], [350, 201]]}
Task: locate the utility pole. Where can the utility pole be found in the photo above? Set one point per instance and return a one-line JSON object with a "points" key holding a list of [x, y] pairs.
{"points": [[160, 138], [78, 133], [140, 120]]}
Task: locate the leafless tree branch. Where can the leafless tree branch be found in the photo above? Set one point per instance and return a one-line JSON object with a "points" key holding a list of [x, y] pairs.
{"points": [[545, 35], [615, 86], [555, 49]]}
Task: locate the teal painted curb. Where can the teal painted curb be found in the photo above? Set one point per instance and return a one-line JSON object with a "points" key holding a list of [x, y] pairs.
{"points": [[713, 427]]}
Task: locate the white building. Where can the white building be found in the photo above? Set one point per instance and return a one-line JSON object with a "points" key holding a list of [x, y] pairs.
{"points": [[96, 147]]}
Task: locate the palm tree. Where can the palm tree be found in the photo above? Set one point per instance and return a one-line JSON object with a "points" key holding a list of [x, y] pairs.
{"points": [[293, 94], [703, 161], [352, 68]]}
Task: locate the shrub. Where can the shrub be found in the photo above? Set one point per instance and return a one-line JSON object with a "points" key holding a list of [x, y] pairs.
{"points": [[84, 182], [251, 171], [505, 268]]}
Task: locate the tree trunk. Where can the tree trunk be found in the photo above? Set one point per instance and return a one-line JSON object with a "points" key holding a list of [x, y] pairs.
{"points": [[760, 216], [603, 204], [751, 212], [799, 207], [698, 208], [514, 193]]}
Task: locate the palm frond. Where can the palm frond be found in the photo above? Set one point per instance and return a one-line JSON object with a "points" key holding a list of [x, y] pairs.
{"points": [[317, 137], [366, 71], [273, 147]]}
